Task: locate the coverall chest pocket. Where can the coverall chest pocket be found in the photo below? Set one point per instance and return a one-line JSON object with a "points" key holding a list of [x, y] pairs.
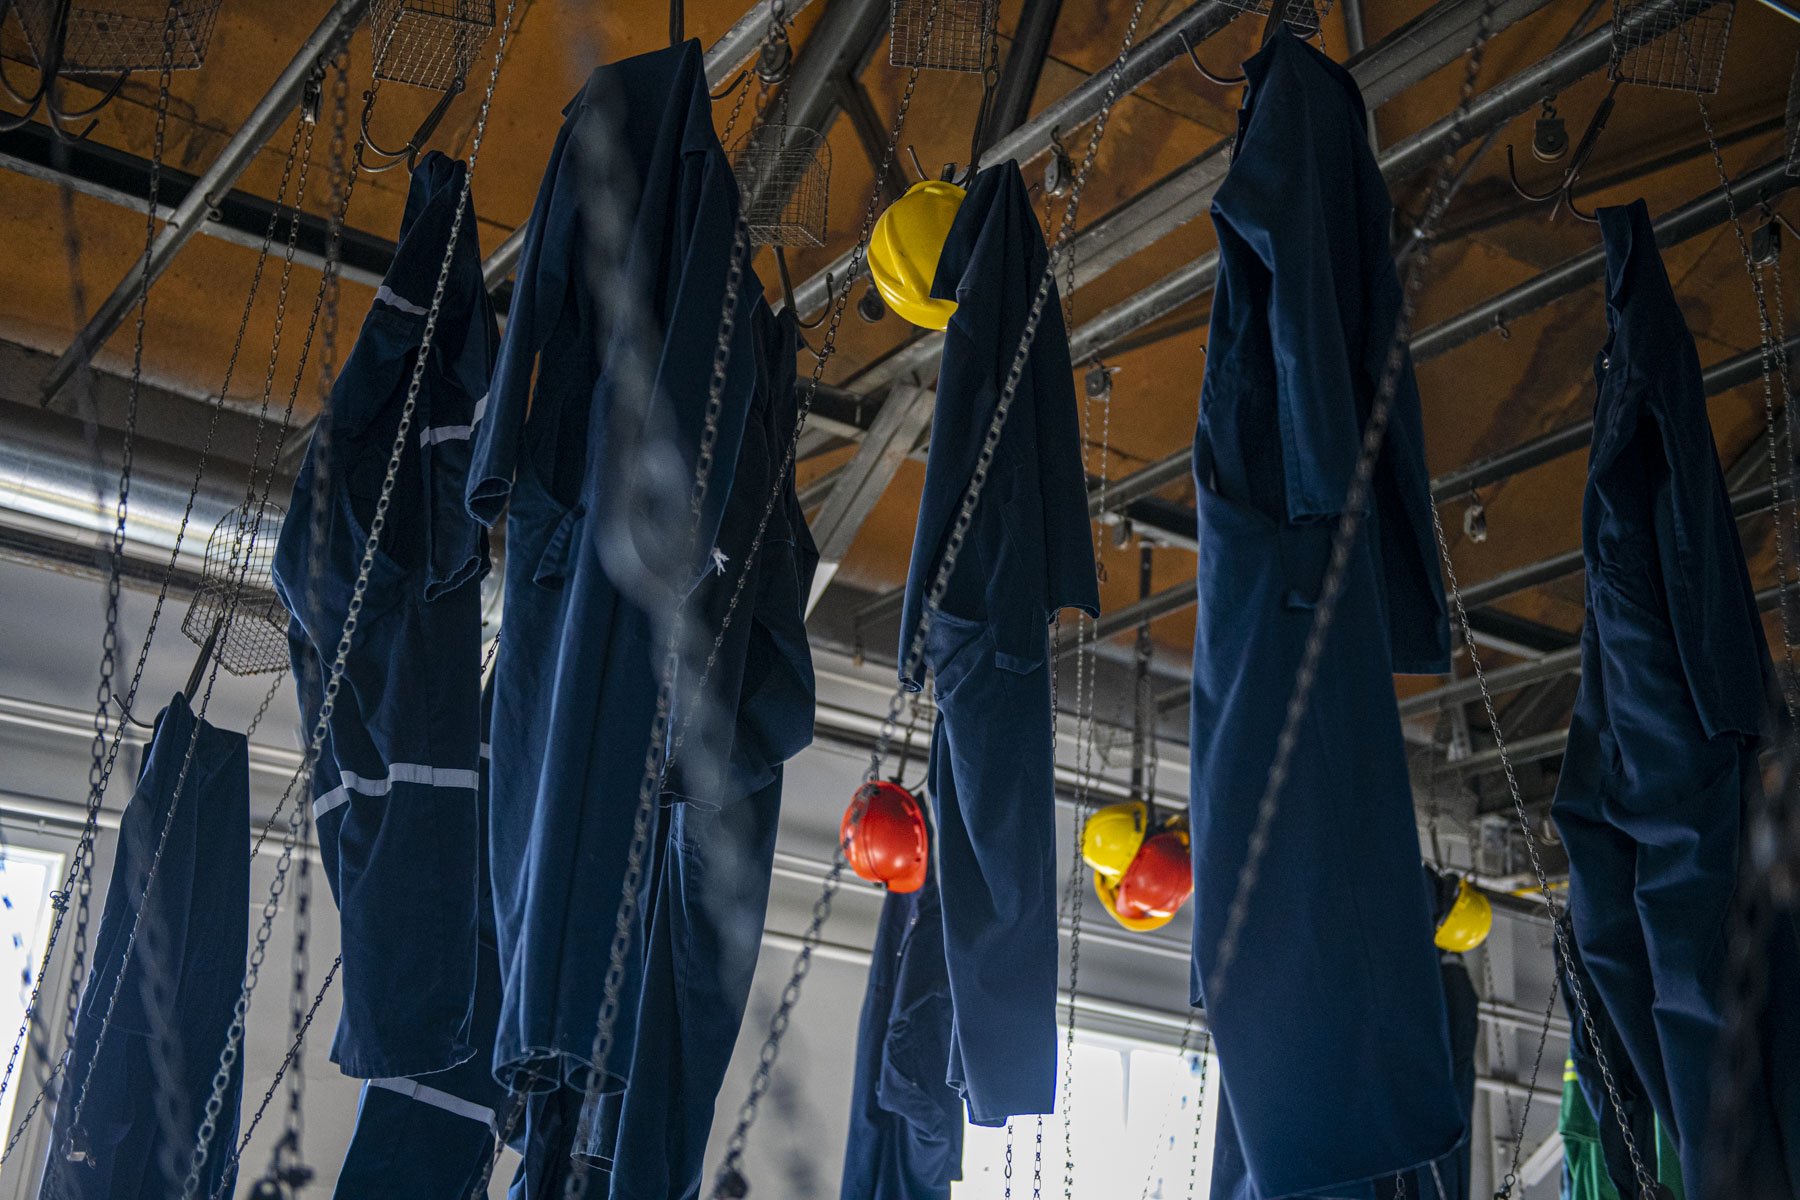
{"points": [[954, 647]]}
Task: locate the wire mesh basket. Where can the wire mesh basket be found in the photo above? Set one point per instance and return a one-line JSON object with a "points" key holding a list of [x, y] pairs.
{"points": [[960, 37], [1304, 17], [429, 43], [1679, 46], [1793, 121], [252, 632], [784, 175], [119, 35]]}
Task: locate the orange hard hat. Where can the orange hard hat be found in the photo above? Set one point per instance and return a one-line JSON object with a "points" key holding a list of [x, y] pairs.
{"points": [[1161, 877], [884, 837]]}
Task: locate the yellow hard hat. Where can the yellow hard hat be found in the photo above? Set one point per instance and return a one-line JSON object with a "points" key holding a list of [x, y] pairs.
{"points": [[1468, 922], [904, 249], [1112, 836], [1107, 888]]}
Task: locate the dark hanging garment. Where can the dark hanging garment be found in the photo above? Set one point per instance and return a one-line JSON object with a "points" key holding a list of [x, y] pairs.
{"points": [[906, 1122], [615, 317], [1662, 759], [394, 789], [430, 1137], [148, 1078], [719, 844], [1323, 1097], [1028, 553]]}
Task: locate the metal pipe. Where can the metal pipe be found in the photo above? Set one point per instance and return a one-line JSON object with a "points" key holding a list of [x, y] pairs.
{"points": [[268, 115], [724, 56], [1718, 379], [1677, 226], [1503, 679]]}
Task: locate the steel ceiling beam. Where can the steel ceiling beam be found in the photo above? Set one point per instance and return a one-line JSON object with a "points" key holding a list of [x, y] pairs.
{"points": [[1697, 216], [736, 47], [1717, 379], [268, 116]]}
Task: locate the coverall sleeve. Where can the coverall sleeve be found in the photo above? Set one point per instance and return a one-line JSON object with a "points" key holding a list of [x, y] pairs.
{"points": [[1299, 225], [538, 293], [1702, 564]]}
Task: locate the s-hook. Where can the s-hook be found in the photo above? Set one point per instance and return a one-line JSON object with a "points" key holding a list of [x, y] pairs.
{"points": [[415, 145], [1563, 194], [45, 95]]}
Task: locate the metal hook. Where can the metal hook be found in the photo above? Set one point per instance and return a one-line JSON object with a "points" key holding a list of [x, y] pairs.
{"points": [[787, 293], [743, 77], [415, 145], [1221, 80], [918, 167], [45, 96], [1563, 193]]}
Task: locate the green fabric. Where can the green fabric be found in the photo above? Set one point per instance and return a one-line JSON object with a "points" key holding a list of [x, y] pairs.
{"points": [[1584, 1174]]}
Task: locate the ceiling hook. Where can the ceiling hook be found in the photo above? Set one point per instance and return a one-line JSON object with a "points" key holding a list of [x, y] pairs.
{"points": [[1210, 77], [1563, 193]]}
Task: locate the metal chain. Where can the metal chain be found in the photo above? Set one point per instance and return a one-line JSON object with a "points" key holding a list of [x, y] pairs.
{"points": [[1204, 1058], [262, 710], [1188, 1028], [83, 856], [828, 347], [83, 859], [377, 524], [515, 1112], [1009, 1161], [295, 1049], [1037, 1163], [729, 1178], [656, 760]]}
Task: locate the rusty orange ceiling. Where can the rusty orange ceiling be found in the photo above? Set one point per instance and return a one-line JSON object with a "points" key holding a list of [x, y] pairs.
{"points": [[65, 251]]}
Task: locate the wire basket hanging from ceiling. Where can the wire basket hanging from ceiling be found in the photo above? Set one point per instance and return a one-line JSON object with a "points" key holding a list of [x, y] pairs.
{"points": [[240, 606], [961, 34], [1304, 17], [115, 36], [784, 176], [429, 43], [1679, 46]]}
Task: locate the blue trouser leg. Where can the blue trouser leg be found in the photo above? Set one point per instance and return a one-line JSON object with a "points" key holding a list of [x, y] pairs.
{"points": [[993, 784], [412, 1147], [705, 940], [551, 1118]]}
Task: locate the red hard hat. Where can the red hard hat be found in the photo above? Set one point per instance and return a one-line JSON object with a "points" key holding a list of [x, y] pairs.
{"points": [[887, 844], [1160, 879]]}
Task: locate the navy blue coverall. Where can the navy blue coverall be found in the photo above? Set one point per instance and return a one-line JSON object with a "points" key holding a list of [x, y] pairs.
{"points": [[906, 1122], [1662, 757], [394, 790], [726, 776], [602, 326], [1324, 1097], [1028, 554], [180, 986], [429, 1137]]}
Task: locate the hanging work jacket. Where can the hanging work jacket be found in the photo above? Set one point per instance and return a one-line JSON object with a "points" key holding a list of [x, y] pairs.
{"points": [[1028, 554], [906, 1123], [598, 400], [1661, 766], [148, 1073], [718, 840], [393, 791], [1324, 1098]]}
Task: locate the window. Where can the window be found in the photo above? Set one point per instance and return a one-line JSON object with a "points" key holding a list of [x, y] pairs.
{"points": [[26, 879], [1139, 1125]]}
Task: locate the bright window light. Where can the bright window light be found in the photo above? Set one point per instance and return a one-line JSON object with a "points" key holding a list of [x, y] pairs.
{"points": [[1138, 1122], [26, 879]]}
